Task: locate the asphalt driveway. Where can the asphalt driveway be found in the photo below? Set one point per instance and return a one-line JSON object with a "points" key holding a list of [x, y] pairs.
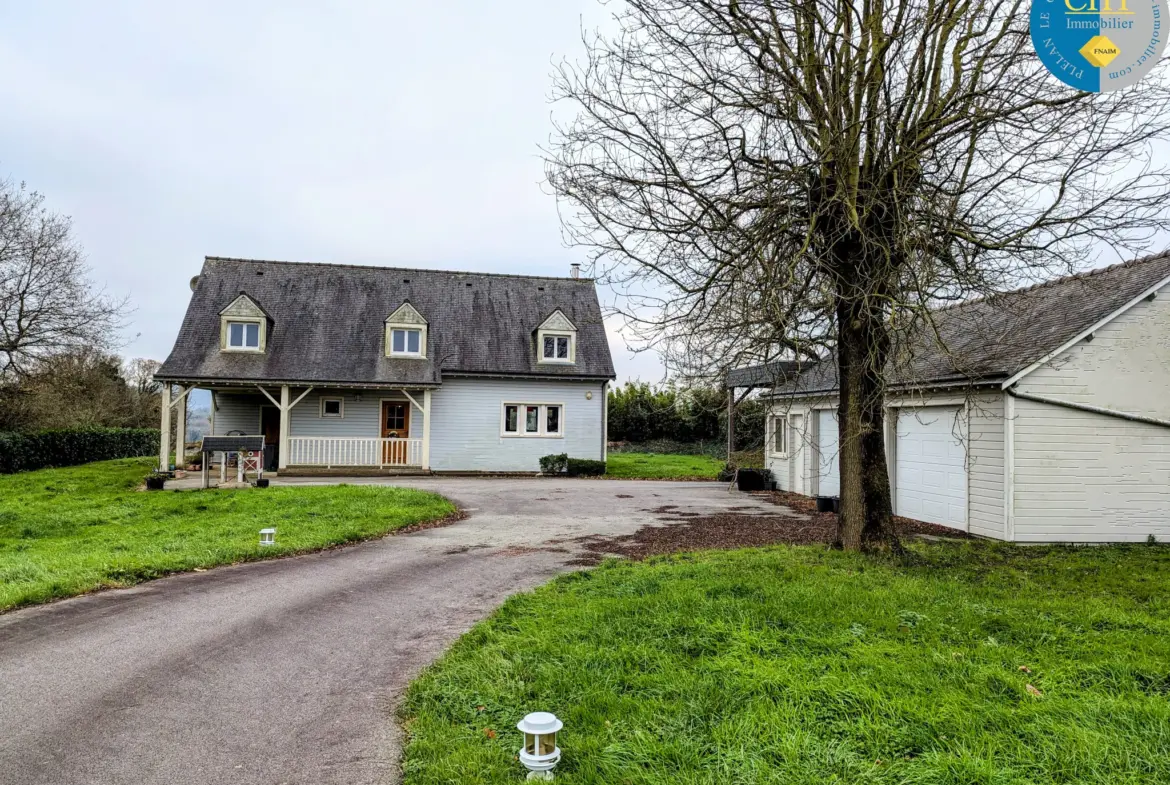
{"points": [[288, 671]]}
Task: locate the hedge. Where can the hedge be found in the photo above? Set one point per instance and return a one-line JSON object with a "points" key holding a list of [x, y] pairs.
{"points": [[573, 467], [584, 467], [24, 452]]}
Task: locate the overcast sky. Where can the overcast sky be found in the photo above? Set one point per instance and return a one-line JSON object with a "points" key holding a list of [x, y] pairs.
{"points": [[386, 132]]}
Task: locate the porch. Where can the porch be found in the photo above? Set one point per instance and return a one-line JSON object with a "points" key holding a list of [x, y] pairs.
{"points": [[332, 452], [318, 429]]}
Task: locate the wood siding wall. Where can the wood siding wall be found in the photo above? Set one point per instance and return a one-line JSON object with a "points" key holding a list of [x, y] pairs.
{"points": [[465, 421], [1084, 477], [985, 457], [466, 415]]}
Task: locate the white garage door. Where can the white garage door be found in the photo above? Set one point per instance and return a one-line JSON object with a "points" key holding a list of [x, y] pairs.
{"points": [[930, 470], [830, 478]]}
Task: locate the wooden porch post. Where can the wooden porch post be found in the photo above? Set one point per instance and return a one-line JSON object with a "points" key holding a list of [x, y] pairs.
{"points": [[164, 450], [181, 429], [426, 445], [285, 414]]}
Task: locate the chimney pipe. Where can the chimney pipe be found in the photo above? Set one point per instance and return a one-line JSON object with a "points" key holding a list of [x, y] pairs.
{"points": [[575, 270]]}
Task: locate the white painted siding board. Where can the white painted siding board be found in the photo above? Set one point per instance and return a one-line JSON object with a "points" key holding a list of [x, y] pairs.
{"points": [[465, 422], [1126, 367], [362, 418], [1083, 477], [985, 459], [237, 412]]}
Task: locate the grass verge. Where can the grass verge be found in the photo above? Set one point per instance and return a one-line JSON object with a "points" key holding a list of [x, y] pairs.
{"points": [[980, 664], [70, 531], [652, 466]]}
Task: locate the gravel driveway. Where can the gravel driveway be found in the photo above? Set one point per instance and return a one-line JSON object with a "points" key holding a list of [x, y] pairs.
{"points": [[287, 671]]}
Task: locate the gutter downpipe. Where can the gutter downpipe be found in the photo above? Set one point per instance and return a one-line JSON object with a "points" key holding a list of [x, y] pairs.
{"points": [[1084, 407]]}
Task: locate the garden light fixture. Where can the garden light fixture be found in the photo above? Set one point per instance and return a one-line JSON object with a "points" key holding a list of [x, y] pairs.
{"points": [[540, 753], [268, 536]]}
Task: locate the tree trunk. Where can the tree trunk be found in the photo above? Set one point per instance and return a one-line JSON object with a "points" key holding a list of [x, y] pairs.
{"points": [[862, 349]]}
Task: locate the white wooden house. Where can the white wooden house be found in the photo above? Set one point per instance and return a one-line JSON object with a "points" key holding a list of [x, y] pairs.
{"points": [[345, 368]]}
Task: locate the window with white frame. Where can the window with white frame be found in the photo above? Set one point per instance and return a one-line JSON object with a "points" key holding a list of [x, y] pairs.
{"points": [[243, 335], [333, 408], [406, 341], [556, 347], [779, 436], [532, 419]]}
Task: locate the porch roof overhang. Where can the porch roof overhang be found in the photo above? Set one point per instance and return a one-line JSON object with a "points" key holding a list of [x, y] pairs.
{"points": [[222, 383], [925, 387]]}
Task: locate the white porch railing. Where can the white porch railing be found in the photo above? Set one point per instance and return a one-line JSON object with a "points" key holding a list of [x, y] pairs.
{"points": [[331, 451]]}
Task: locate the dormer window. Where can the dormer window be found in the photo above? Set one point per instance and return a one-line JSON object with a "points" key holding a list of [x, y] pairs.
{"points": [[556, 347], [406, 333], [244, 335], [243, 326], [407, 341], [556, 340]]}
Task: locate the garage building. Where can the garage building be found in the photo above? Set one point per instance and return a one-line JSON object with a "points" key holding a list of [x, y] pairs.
{"points": [[1040, 415]]}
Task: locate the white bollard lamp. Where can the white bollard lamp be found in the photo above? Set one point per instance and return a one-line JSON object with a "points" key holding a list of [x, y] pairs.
{"points": [[540, 753], [268, 536]]}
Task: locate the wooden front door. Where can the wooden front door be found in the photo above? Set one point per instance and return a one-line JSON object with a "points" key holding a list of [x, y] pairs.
{"points": [[270, 427], [395, 425]]}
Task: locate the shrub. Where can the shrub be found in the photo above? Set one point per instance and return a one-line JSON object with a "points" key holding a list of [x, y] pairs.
{"points": [[23, 452], [641, 413], [554, 464], [583, 467]]}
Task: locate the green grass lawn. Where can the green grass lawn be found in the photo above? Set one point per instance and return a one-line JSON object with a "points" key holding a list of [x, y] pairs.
{"points": [[811, 666], [653, 466], [69, 531]]}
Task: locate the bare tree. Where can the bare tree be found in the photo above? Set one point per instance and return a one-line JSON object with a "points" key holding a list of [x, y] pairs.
{"points": [[48, 305], [808, 179], [145, 392]]}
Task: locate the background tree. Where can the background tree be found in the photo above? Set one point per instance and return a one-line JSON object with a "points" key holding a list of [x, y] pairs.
{"points": [[693, 419], [48, 306], [80, 390], [807, 179], [145, 392]]}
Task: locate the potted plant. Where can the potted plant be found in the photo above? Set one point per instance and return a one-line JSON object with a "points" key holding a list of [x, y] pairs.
{"points": [[828, 504], [752, 479], [155, 482], [262, 482]]}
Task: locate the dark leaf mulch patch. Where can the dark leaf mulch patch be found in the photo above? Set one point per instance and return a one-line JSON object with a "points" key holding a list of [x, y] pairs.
{"points": [[688, 531], [807, 505]]}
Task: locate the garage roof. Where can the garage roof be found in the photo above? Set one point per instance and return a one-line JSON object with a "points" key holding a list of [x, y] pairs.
{"points": [[994, 338]]}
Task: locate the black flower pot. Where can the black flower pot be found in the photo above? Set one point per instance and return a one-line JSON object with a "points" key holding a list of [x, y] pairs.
{"points": [[262, 483], [155, 482], [752, 479], [828, 504]]}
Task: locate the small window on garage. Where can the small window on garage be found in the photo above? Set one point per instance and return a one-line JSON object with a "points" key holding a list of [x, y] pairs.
{"points": [[333, 408], [779, 436]]}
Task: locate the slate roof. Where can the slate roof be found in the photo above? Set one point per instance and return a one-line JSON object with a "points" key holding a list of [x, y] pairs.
{"points": [[767, 375], [994, 338], [328, 324]]}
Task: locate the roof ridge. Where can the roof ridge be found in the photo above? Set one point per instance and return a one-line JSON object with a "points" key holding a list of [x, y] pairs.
{"points": [[1082, 275], [399, 269]]}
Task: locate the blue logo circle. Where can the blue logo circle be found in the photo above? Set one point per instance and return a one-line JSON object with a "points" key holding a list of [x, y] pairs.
{"points": [[1098, 45]]}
